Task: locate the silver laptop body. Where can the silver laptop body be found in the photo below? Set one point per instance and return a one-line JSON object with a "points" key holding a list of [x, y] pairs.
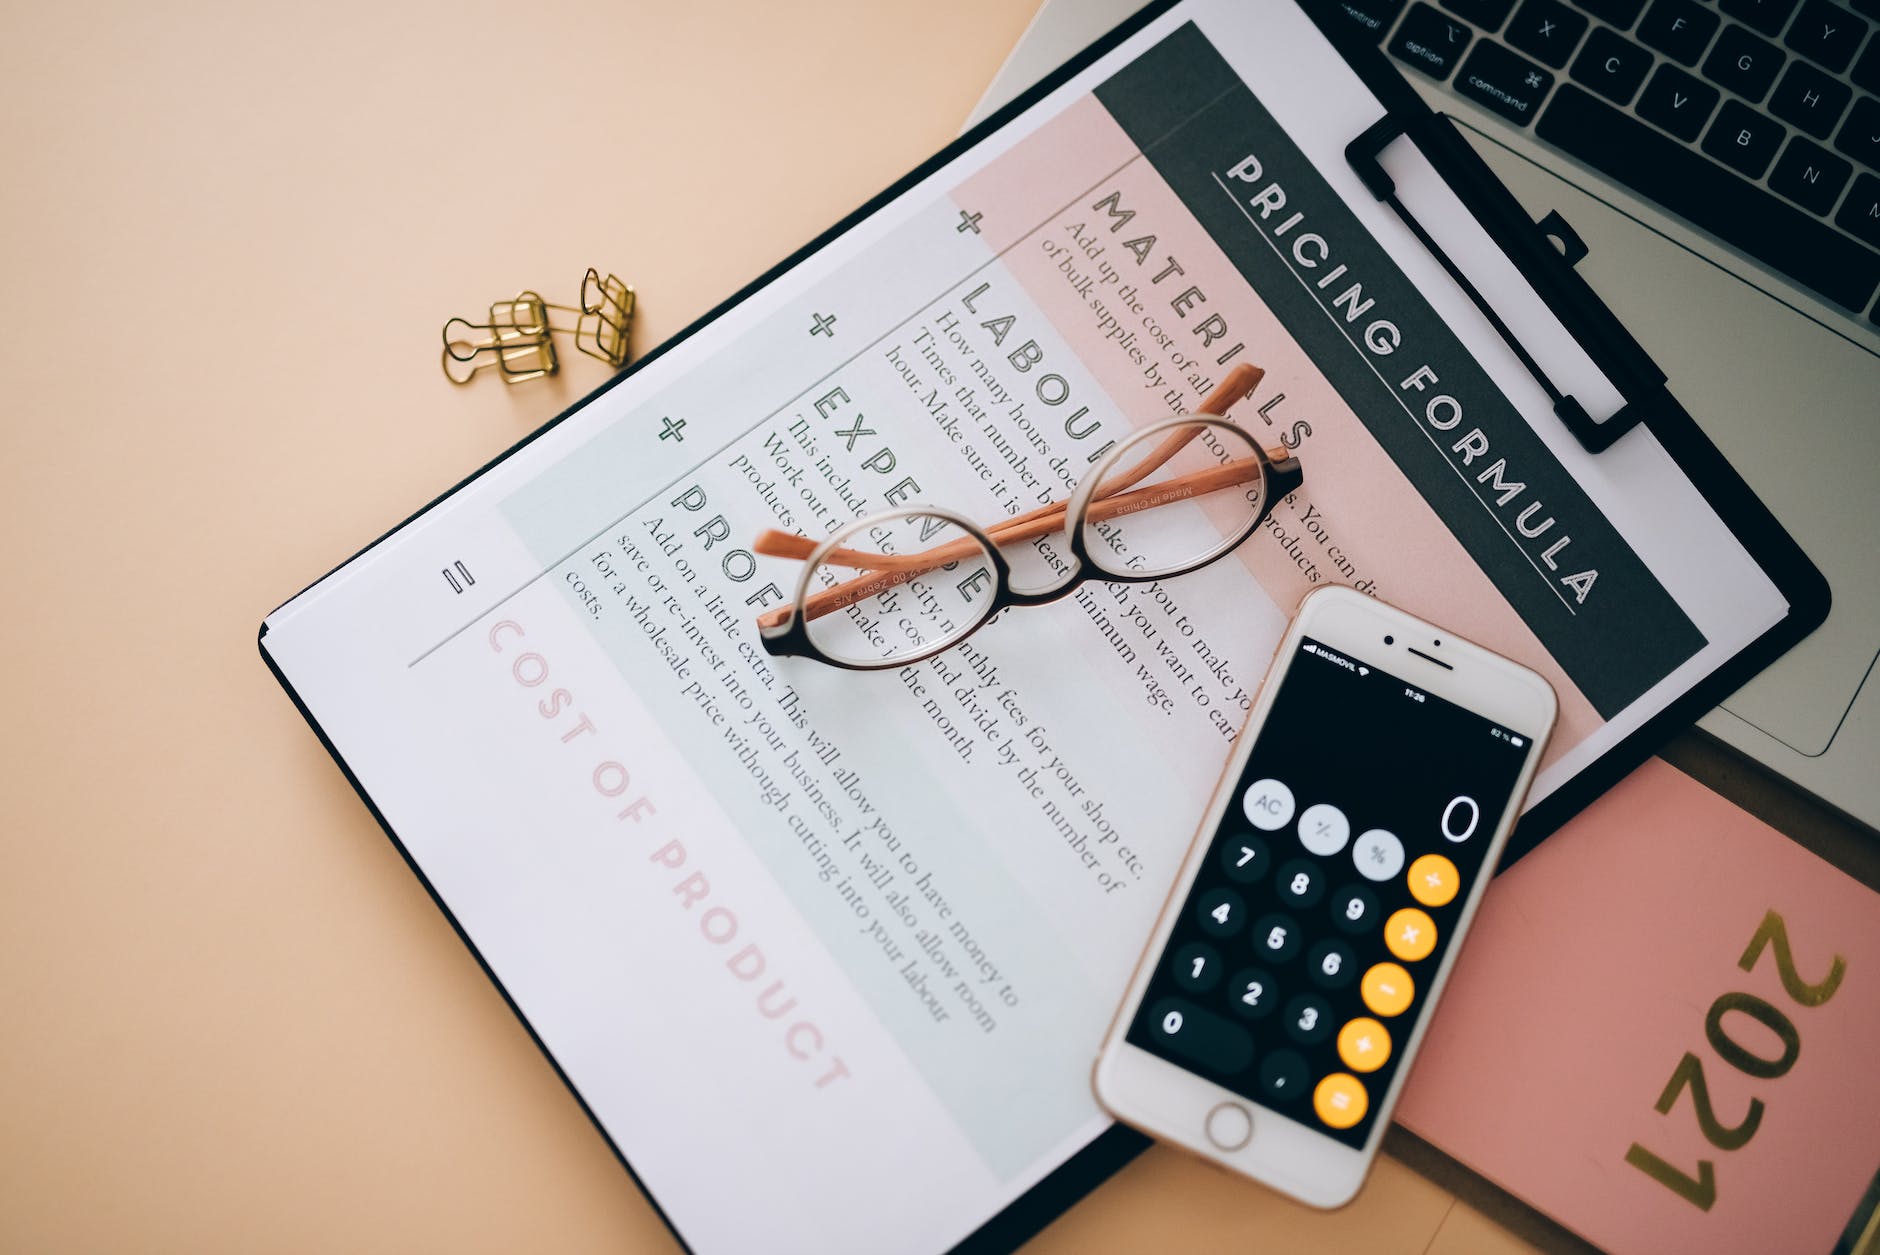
{"points": [[1786, 382]]}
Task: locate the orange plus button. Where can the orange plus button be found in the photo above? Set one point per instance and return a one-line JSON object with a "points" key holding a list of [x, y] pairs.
{"points": [[1387, 989], [1364, 1044], [1340, 1100], [1433, 880], [1410, 934]]}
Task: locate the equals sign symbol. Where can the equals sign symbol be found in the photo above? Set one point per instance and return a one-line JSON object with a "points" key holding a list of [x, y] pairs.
{"points": [[468, 579]]}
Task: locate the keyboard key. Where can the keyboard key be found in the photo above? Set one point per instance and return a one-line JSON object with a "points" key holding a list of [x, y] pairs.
{"points": [[1869, 7], [1808, 99], [1512, 86], [1860, 215], [1677, 102], [1866, 71], [1487, 14], [1766, 16], [1678, 28], [1372, 16], [1743, 139], [1826, 33], [1548, 30], [1860, 134], [1763, 226], [1611, 66], [1430, 42], [1619, 13], [1809, 175], [1743, 63]]}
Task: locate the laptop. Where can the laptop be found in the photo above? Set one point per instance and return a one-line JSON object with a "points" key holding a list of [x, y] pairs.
{"points": [[1722, 163]]}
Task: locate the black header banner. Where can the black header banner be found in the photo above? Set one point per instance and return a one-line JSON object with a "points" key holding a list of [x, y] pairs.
{"points": [[1537, 536]]}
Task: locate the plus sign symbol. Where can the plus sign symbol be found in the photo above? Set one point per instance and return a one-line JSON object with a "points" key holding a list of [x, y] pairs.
{"points": [[671, 429], [969, 222], [823, 324]]}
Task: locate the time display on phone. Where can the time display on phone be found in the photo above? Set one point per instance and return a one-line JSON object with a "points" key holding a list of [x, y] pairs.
{"points": [[1299, 963]]}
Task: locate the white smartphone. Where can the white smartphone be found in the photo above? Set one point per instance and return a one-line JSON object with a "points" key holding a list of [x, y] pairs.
{"points": [[1275, 1013]]}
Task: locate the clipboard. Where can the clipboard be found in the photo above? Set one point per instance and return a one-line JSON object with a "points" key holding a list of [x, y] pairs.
{"points": [[1621, 392]]}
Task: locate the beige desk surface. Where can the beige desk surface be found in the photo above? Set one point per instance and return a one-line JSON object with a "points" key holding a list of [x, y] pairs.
{"points": [[229, 233]]}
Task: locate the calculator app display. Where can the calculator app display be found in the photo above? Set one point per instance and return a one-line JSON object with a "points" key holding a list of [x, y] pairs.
{"points": [[1297, 967]]}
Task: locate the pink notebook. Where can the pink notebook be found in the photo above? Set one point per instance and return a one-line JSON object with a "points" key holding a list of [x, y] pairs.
{"points": [[1664, 1031]]}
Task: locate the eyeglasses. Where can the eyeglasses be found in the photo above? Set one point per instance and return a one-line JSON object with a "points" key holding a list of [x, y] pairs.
{"points": [[898, 587]]}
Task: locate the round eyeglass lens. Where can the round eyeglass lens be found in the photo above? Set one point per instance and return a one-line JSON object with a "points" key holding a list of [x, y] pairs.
{"points": [[1174, 497], [897, 588]]}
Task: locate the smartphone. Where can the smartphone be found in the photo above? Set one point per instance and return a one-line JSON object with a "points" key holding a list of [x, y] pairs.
{"points": [[1277, 1009]]}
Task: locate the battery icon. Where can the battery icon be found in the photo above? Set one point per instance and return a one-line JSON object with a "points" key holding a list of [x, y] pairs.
{"points": [[1518, 742]]}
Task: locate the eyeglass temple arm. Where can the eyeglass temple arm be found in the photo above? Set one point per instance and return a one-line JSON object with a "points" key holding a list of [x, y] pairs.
{"points": [[900, 569], [1240, 381]]}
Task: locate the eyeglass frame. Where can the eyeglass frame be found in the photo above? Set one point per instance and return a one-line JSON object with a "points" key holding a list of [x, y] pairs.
{"points": [[1280, 476]]}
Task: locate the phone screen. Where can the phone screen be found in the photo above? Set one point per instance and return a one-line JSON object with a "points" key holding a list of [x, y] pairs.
{"points": [[1298, 964]]}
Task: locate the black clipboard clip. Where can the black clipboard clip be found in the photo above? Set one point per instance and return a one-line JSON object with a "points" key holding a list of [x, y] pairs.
{"points": [[1544, 252]]}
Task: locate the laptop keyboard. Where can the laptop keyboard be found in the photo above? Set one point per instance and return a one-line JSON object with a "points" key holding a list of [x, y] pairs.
{"points": [[1756, 120]]}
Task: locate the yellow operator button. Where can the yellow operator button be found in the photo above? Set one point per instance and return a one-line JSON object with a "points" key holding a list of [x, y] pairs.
{"points": [[1434, 881], [1387, 989], [1364, 1044], [1340, 1100], [1410, 934]]}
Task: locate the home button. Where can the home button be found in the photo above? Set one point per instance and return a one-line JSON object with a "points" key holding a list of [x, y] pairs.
{"points": [[1230, 1126]]}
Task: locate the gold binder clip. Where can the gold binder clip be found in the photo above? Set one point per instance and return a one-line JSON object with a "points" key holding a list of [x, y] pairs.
{"points": [[606, 317], [518, 343]]}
